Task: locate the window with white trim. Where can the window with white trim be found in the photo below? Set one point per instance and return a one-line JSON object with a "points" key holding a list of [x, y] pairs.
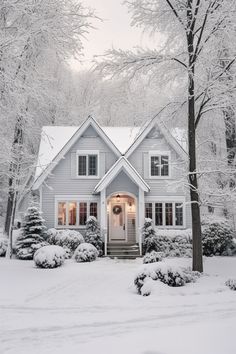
{"points": [[75, 213], [87, 164], [168, 214], [159, 165]]}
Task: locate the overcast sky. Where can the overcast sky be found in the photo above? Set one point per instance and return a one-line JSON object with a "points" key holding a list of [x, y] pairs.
{"points": [[114, 31]]}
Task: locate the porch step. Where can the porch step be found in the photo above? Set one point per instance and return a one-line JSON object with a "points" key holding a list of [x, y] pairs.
{"points": [[123, 251]]}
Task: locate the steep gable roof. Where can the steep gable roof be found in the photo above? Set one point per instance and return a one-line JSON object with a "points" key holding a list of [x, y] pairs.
{"points": [[164, 130], [60, 150], [122, 164]]}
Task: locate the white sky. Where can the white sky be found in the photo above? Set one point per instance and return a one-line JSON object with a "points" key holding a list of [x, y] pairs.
{"points": [[114, 31]]}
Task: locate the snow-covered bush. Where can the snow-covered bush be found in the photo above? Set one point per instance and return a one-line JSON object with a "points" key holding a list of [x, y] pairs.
{"points": [[3, 246], [231, 283], [217, 239], [49, 257], [172, 276], [172, 243], [153, 257], [85, 252], [32, 236], [150, 242], [69, 239], [93, 234]]}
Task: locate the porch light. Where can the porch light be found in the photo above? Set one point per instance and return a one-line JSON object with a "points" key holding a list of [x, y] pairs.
{"points": [[118, 198]]}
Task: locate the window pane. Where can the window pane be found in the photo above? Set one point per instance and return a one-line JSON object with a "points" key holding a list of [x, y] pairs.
{"points": [[169, 214], [155, 168], [61, 213], [148, 210], [178, 214], [158, 214], [93, 210], [165, 165], [82, 213], [92, 168], [82, 165], [72, 213]]}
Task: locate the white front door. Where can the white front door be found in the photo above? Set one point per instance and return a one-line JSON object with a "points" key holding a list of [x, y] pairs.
{"points": [[117, 222]]}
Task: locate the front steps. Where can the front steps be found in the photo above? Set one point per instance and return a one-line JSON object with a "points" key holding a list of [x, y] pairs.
{"points": [[123, 251]]}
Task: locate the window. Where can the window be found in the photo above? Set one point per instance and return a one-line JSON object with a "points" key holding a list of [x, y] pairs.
{"points": [[159, 165], [82, 213], [72, 213], [75, 213], [148, 210], [61, 213], [158, 214], [168, 214], [94, 209], [88, 164], [179, 214]]}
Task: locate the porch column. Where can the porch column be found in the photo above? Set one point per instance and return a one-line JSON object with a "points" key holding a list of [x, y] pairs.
{"points": [[140, 216], [103, 211]]}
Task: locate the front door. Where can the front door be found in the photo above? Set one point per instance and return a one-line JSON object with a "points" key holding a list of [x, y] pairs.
{"points": [[117, 222]]}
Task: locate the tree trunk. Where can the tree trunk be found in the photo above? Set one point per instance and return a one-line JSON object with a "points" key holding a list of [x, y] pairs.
{"points": [[197, 264], [14, 171]]}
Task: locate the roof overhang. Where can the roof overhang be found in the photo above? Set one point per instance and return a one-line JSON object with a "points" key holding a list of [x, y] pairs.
{"points": [[122, 164]]}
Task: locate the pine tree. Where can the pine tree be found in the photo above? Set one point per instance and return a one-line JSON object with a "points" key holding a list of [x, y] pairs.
{"points": [[93, 234], [32, 236], [150, 241]]}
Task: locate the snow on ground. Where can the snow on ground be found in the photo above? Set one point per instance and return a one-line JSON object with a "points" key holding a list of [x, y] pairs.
{"points": [[85, 308]]}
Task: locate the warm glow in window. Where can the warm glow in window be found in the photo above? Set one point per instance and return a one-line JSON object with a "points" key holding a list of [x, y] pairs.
{"points": [[62, 213], [72, 213]]}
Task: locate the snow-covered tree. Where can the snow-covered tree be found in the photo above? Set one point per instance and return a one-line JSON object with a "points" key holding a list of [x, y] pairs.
{"points": [[37, 39], [93, 234], [150, 242], [32, 233], [193, 34]]}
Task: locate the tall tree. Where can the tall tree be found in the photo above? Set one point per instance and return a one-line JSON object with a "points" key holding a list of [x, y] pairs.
{"points": [[35, 37], [194, 31]]}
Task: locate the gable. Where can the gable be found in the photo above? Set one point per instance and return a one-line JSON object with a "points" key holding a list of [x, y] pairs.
{"points": [[122, 182], [46, 168]]}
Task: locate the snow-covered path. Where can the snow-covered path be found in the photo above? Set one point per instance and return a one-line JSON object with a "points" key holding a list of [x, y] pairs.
{"points": [[87, 308]]}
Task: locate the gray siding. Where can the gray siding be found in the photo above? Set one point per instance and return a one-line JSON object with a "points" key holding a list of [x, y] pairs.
{"points": [[122, 183], [63, 181], [131, 227]]}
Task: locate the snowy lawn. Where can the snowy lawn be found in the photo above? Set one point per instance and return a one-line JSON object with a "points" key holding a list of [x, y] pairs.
{"points": [[87, 308]]}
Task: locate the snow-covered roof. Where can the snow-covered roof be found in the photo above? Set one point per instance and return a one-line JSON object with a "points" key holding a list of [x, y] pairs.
{"points": [[54, 138]]}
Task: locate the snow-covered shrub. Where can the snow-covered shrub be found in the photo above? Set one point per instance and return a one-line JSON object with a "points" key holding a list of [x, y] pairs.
{"points": [[93, 234], [49, 257], [176, 246], [231, 283], [32, 236], [69, 239], [85, 252], [217, 239], [153, 257], [150, 242], [3, 246], [172, 276]]}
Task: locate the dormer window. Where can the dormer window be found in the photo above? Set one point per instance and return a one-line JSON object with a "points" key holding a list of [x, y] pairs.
{"points": [[87, 164], [159, 164]]}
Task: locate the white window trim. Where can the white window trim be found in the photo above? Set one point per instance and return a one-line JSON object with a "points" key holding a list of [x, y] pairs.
{"points": [[77, 199], [163, 201], [86, 153], [159, 153]]}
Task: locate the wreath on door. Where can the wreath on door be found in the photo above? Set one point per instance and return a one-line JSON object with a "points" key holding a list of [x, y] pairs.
{"points": [[117, 209]]}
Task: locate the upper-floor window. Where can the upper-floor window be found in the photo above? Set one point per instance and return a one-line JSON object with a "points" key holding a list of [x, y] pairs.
{"points": [[87, 164], [159, 165]]}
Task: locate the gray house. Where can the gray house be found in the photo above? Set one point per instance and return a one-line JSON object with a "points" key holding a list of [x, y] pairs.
{"points": [[120, 175]]}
